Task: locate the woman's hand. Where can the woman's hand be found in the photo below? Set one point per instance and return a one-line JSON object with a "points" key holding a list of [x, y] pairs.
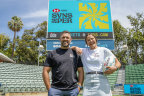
{"points": [[110, 70]]}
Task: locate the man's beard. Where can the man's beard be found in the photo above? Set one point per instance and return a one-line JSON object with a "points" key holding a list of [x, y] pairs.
{"points": [[65, 45]]}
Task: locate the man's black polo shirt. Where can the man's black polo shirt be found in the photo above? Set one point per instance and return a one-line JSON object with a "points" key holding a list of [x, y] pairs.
{"points": [[64, 64]]}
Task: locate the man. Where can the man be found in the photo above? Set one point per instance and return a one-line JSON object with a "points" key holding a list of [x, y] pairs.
{"points": [[64, 63]]}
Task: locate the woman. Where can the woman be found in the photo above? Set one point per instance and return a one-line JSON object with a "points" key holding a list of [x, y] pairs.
{"points": [[96, 83]]}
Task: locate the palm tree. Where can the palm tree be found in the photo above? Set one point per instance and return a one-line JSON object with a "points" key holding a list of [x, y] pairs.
{"points": [[15, 25]]}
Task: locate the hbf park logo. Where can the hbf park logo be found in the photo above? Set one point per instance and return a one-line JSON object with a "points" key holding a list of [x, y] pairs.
{"points": [[93, 16]]}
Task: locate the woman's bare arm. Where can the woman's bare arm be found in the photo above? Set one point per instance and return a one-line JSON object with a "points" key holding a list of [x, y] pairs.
{"points": [[77, 49]]}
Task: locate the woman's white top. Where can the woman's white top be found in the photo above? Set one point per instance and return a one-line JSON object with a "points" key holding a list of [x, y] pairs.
{"points": [[93, 60]]}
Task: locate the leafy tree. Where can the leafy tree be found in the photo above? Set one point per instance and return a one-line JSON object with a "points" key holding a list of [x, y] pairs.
{"points": [[5, 45], [15, 25], [25, 54], [135, 37], [120, 40], [41, 31], [27, 49], [4, 40]]}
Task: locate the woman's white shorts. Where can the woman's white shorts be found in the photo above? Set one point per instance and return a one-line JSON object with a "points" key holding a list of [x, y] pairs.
{"points": [[96, 85]]}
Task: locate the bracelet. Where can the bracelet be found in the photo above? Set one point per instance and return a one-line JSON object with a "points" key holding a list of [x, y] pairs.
{"points": [[80, 87], [116, 67]]}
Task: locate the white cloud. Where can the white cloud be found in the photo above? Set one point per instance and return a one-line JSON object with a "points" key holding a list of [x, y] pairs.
{"points": [[122, 8], [36, 14], [30, 24]]}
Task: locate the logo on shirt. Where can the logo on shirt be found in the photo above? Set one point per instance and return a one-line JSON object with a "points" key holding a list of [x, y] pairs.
{"points": [[71, 55], [95, 54]]}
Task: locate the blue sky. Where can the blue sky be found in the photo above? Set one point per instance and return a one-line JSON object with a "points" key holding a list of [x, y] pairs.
{"points": [[33, 12]]}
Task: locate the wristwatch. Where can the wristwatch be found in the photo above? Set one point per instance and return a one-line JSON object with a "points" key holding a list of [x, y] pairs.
{"points": [[80, 87]]}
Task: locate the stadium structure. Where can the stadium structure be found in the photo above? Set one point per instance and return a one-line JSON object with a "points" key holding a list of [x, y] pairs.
{"points": [[26, 80]]}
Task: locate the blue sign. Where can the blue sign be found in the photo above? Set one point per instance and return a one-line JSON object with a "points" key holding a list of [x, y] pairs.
{"points": [[80, 17], [53, 44], [134, 88]]}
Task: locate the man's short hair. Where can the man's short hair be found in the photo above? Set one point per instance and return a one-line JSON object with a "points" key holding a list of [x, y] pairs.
{"points": [[64, 32]]}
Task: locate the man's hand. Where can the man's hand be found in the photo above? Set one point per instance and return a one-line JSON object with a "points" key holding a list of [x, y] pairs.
{"points": [[49, 88], [79, 88], [110, 70], [80, 77]]}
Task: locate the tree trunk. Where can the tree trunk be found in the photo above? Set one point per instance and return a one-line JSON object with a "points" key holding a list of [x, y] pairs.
{"points": [[136, 56], [13, 44]]}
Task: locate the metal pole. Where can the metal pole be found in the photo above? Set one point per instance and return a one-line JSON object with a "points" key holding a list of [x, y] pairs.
{"points": [[38, 58], [38, 53], [1, 42], [128, 56]]}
